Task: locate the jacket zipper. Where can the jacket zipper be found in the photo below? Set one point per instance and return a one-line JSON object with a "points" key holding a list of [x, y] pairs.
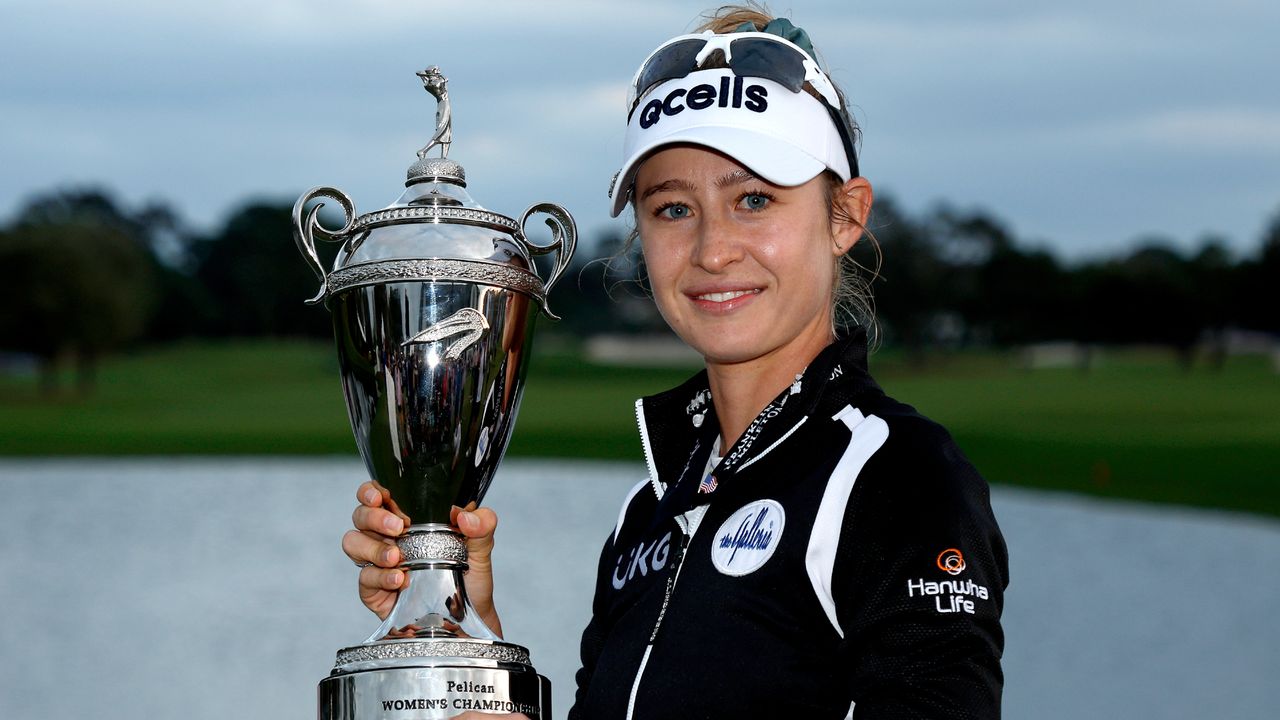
{"points": [[677, 561], [677, 564], [648, 450]]}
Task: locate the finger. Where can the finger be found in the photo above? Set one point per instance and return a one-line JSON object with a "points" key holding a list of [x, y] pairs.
{"points": [[368, 494], [373, 579], [477, 524], [377, 520], [364, 548], [479, 528]]}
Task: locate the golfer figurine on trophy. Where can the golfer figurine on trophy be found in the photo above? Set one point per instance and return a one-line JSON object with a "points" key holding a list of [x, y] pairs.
{"points": [[433, 301]]}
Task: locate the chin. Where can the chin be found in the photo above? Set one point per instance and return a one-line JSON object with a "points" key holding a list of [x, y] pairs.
{"points": [[725, 348]]}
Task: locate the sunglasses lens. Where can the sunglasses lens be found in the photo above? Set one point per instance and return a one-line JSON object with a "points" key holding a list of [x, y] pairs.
{"points": [[674, 61], [757, 57], [752, 57]]}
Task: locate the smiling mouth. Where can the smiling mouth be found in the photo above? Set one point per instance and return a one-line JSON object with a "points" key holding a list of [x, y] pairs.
{"points": [[725, 296]]}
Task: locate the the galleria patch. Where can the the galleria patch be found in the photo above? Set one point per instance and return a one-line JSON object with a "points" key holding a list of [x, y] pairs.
{"points": [[748, 538]]}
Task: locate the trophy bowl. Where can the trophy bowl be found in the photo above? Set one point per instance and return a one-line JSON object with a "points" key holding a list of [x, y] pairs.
{"points": [[433, 300]]}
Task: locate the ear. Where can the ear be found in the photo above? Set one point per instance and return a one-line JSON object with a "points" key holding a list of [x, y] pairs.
{"points": [[851, 207]]}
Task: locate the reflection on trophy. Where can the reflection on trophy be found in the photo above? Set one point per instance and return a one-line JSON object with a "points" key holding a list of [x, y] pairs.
{"points": [[433, 301]]}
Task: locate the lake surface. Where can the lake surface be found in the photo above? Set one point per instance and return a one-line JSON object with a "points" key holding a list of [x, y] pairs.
{"points": [[180, 588]]}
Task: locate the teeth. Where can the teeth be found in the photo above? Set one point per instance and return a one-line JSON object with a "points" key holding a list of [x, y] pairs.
{"points": [[724, 296]]}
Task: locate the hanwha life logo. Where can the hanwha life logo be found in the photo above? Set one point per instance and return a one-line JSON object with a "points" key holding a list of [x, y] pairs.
{"points": [[951, 561], [748, 538]]}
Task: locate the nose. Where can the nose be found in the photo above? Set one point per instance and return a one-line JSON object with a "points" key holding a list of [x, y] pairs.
{"points": [[717, 244]]}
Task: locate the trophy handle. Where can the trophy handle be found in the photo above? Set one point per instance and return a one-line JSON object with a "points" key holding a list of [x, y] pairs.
{"points": [[306, 230], [564, 239]]}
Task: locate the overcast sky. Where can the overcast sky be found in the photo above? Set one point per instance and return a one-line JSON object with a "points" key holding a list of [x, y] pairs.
{"points": [[1083, 124]]}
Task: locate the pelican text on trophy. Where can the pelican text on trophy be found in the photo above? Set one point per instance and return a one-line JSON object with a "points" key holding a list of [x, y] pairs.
{"points": [[433, 300]]}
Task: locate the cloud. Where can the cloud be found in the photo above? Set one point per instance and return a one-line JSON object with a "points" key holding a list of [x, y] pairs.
{"points": [[990, 102], [1187, 132], [1225, 129]]}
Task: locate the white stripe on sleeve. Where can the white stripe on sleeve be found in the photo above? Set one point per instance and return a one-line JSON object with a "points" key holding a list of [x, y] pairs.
{"points": [[869, 434]]}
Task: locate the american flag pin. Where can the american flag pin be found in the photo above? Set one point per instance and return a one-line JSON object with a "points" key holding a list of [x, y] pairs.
{"points": [[708, 484]]}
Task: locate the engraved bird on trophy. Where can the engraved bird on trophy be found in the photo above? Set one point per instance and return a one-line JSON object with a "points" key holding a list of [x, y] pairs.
{"points": [[433, 301]]}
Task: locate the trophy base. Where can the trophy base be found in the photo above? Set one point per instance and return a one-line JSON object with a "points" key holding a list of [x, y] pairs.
{"points": [[433, 679]]}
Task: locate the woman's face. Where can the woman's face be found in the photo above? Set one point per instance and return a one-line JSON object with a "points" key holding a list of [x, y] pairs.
{"points": [[741, 269]]}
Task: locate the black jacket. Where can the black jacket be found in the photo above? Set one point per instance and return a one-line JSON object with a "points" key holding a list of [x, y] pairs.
{"points": [[847, 563]]}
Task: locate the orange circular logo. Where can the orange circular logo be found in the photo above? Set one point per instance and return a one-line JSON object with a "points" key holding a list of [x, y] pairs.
{"points": [[951, 561]]}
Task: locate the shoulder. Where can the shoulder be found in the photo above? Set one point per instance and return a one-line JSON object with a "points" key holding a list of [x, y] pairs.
{"points": [[914, 497], [919, 473], [627, 506], [897, 474], [889, 459]]}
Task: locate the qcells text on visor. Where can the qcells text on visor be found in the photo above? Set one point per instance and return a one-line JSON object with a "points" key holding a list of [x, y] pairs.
{"points": [[700, 97]]}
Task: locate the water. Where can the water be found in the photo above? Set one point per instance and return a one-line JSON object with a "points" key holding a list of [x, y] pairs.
{"points": [[216, 588]]}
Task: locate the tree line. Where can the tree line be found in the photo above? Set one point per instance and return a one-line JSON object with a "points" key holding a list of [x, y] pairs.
{"points": [[87, 276]]}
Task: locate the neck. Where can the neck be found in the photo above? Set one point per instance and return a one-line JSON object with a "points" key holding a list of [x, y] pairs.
{"points": [[741, 390]]}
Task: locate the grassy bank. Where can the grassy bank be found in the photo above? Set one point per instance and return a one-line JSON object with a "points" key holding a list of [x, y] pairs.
{"points": [[1136, 426]]}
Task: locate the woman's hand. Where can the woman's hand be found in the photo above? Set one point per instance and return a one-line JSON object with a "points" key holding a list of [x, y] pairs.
{"points": [[373, 541]]}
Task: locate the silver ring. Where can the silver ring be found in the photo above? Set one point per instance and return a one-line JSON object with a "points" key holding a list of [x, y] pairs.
{"points": [[362, 565]]}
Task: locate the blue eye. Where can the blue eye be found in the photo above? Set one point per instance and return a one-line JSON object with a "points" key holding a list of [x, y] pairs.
{"points": [[674, 211], [754, 201]]}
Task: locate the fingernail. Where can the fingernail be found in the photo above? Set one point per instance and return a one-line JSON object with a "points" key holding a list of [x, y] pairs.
{"points": [[394, 579], [392, 525], [386, 556], [370, 496], [467, 521]]}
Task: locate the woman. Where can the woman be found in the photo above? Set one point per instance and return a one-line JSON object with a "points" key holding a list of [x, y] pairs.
{"points": [[805, 545]]}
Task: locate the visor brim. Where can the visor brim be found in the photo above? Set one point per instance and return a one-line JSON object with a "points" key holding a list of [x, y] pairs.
{"points": [[770, 158]]}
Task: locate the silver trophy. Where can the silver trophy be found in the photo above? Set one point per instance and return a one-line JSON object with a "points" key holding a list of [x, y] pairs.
{"points": [[433, 301]]}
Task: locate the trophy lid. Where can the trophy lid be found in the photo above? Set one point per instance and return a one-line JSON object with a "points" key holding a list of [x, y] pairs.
{"points": [[435, 230], [435, 187]]}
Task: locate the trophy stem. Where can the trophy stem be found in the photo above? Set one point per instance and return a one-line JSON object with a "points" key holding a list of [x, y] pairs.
{"points": [[433, 603]]}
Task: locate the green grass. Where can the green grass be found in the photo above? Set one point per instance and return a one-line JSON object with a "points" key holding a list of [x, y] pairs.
{"points": [[207, 398], [1135, 427]]}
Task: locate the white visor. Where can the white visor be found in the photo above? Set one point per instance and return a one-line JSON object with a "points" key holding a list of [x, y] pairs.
{"points": [[785, 137]]}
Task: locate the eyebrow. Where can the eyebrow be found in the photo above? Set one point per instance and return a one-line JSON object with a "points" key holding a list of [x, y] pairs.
{"points": [[667, 186], [737, 177]]}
